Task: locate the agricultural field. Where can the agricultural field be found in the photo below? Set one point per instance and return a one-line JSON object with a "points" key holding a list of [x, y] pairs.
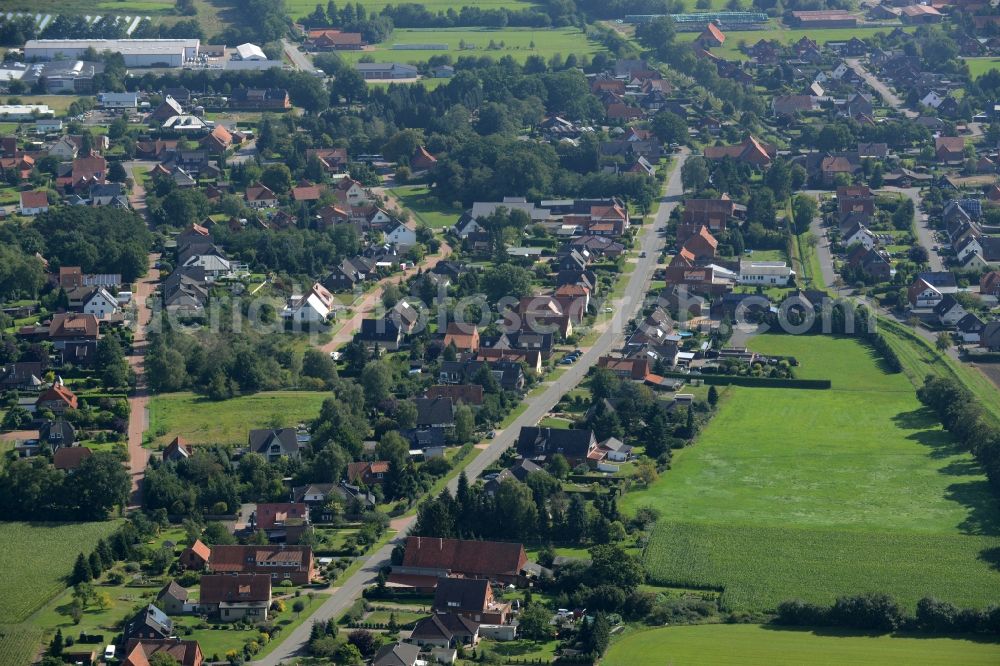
{"points": [[859, 473], [731, 51], [750, 645], [18, 644], [26, 586], [517, 42], [98, 8], [203, 421], [299, 8], [980, 66]]}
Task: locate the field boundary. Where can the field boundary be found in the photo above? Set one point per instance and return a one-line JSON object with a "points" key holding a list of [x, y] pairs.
{"points": [[754, 382]]}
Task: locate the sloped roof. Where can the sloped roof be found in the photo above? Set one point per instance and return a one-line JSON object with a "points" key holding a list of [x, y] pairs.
{"points": [[227, 588], [475, 558], [70, 457]]}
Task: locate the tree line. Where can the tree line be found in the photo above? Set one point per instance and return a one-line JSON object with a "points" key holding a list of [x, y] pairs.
{"points": [[31, 489], [964, 416], [881, 613]]}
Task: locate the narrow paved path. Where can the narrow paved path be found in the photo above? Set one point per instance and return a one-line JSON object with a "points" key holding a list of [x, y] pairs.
{"points": [[650, 242], [921, 224], [367, 304]]}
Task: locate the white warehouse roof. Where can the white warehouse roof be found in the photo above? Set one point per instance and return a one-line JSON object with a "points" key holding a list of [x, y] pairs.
{"points": [[250, 52]]}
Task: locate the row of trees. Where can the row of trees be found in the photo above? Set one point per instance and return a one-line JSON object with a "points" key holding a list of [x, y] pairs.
{"points": [[964, 416], [882, 613], [31, 489]]}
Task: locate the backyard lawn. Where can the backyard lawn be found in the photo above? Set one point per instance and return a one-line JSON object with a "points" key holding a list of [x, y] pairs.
{"points": [[203, 421], [426, 207], [980, 66], [750, 645], [786, 491]]}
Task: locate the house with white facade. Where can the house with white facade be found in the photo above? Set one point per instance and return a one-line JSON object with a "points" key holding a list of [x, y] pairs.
{"points": [[314, 307], [765, 273], [34, 203], [404, 233], [101, 304]]}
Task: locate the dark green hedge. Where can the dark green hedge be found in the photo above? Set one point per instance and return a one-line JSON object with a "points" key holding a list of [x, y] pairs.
{"points": [[759, 382]]}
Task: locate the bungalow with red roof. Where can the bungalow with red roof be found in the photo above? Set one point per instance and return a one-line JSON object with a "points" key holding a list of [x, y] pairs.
{"points": [[183, 653], [306, 191], [34, 202], [261, 196], [235, 597], [69, 458]]}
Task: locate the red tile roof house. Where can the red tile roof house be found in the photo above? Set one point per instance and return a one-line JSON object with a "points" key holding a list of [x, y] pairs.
{"points": [[57, 399], [427, 559], [471, 598], [231, 598], [711, 36], [34, 203], [751, 151], [196, 556], [306, 192], [261, 196], [177, 450], [294, 563], [422, 160], [69, 458], [333, 160], [465, 337], [282, 521], [368, 473], [702, 245], [185, 653], [949, 149], [574, 299], [218, 141], [470, 394]]}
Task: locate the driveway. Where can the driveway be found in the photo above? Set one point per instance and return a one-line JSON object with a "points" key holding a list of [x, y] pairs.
{"points": [[538, 406]]}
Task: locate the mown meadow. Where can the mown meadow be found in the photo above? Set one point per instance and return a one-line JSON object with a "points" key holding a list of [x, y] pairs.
{"points": [[814, 494]]}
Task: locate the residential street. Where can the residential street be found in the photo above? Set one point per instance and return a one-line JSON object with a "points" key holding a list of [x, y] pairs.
{"points": [[882, 89], [299, 59], [925, 235], [651, 242]]}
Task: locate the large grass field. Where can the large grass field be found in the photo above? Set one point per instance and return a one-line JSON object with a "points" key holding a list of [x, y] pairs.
{"points": [[299, 8], [203, 421], [36, 558], [731, 51], [752, 645], [517, 42], [818, 493], [92, 8]]}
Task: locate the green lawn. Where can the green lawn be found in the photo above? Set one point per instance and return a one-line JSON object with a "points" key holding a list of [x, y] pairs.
{"points": [[980, 66], [37, 557], [517, 43], [786, 491], [300, 8], [203, 421], [750, 645], [426, 207]]}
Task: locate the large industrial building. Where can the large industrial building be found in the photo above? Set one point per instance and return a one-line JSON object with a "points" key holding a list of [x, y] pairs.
{"points": [[136, 52]]}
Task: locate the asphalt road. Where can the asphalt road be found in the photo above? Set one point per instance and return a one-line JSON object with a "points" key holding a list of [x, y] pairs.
{"points": [[887, 94], [298, 58], [925, 235], [651, 242]]}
